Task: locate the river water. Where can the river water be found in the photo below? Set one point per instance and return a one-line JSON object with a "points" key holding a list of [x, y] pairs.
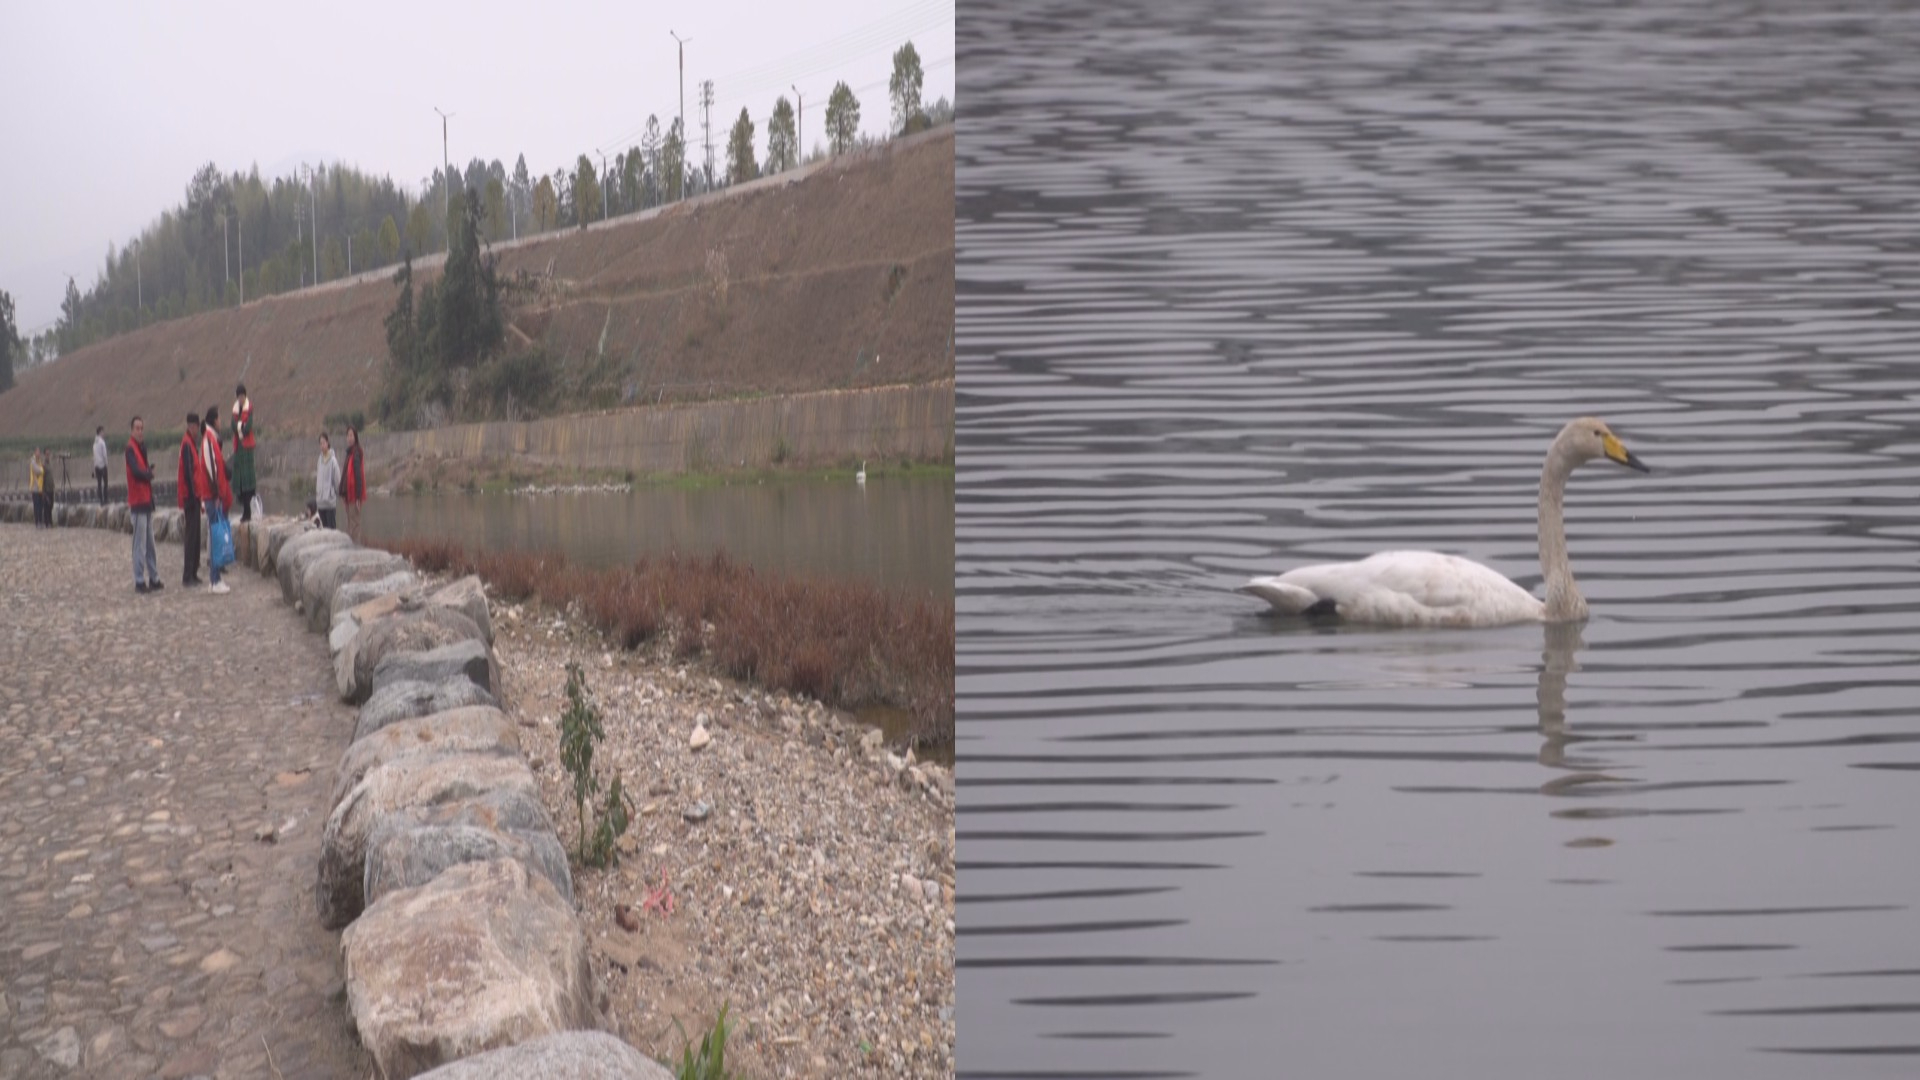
{"points": [[895, 531], [1242, 288]]}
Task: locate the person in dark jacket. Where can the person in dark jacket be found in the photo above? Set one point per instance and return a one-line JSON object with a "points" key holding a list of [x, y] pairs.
{"points": [[195, 490], [140, 507]]}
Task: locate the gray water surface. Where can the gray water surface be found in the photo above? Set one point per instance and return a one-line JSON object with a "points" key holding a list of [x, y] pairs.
{"points": [[1245, 288], [895, 531]]}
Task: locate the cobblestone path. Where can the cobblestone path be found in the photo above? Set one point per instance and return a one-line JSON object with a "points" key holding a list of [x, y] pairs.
{"points": [[147, 744]]}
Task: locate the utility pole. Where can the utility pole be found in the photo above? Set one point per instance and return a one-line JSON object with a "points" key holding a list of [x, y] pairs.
{"points": [[800, 129], [226, 249], [603, 185], [683, 108], [139, 296], [240, 228], [314, 204], [706, 126], [349, 254], [446, 179]]}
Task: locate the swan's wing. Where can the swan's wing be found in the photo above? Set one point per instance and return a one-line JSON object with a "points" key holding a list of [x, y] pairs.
{"points": [[1402, 587], [1286, 597]]}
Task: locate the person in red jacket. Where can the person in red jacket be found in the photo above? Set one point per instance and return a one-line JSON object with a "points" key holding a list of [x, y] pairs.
{"points": [[219, 483], [196, 488], [353, 481], [140, 508], [243, 475]]}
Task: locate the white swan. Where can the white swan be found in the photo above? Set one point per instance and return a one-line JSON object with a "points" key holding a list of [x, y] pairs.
{"points": [[1427, 588], [861, 476]]}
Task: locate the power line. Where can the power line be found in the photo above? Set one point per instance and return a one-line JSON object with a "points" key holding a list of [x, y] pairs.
{"points": [[797, 66], [728, 106]]}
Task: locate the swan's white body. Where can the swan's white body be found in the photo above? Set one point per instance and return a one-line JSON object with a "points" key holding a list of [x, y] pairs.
{"points": [[1402, 588], [861, 476], [1428, 588]]}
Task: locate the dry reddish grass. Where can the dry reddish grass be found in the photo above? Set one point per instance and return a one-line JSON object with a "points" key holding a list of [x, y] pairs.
{"points": [[847, 644]]}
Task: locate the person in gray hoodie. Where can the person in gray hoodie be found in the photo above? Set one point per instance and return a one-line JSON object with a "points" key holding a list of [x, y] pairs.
{"points": [[326, 482]]}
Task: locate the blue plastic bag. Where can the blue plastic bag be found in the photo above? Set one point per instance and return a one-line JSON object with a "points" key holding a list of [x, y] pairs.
{"points": [[220, 542]]}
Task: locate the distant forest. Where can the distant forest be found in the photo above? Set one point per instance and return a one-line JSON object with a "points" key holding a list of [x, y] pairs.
{"points": [[237, 236]]}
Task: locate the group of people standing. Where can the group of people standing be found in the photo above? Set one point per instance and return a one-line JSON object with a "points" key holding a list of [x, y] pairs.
{"points": [[209, 481]]}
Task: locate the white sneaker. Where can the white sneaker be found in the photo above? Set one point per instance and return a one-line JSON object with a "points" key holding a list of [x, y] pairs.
{"points": [[220, 588]]}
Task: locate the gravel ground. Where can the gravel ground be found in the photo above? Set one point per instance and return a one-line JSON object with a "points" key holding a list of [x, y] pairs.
{"points": [[813, 894]]}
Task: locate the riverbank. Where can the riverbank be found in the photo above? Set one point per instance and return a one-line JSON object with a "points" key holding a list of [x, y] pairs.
{"points": [[801, 874], [848, 644]]}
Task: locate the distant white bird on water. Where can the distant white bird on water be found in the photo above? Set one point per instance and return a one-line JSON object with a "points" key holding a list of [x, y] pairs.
{"points": [[1427, 588], [861, 476]]}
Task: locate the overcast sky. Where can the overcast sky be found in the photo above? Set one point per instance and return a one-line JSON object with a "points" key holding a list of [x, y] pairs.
{"points": [[109, 108]]}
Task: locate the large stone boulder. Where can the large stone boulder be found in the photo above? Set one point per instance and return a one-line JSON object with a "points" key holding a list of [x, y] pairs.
{"points": [[473, 728], [343, 622], [405, 700], [484, 956], [411, 632], [471, 659], [392, 787], [326, 572], [277, 536], [468, 597], [569, 1055], [166, 525], [411, 848], [292, 561]]}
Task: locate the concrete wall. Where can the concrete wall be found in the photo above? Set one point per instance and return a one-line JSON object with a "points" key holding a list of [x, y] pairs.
{"points": [[889, 422]]}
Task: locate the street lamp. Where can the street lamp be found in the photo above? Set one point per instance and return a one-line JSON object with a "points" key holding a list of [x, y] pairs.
{"points": [[800, 129], [682, 163], [314, 216], [446, 168]]}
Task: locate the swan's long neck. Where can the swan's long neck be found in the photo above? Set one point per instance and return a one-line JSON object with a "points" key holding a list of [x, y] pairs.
{"points": [[1564, 601]]}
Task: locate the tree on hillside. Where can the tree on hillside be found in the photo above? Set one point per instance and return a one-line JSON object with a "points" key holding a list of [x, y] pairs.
{"points": [[586, 192], [389, 240], [650, 141], [470, 322], [419, 227], [782, 146], [740, 164], [546, 206], [497, 224], [673, 163], [333, 259], [402, 346], [904, 90], [843, 118], [941, 112], [521, 190], [68, 330], [12, 349]]}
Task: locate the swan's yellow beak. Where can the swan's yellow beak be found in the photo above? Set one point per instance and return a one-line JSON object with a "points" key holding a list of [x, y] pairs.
{"points": [[1619, 454]]}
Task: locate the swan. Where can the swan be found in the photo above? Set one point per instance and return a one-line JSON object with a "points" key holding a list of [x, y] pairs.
{"points": [[861, 476], [1427, 588]]}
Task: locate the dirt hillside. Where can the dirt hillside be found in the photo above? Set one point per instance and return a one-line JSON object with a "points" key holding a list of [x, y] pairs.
{"points": [[837, 276]]}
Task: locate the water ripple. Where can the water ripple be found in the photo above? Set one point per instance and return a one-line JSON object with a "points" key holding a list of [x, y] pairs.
{"points": [[1247, 286]]}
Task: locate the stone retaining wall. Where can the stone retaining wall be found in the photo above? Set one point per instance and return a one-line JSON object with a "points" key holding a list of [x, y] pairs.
{"points": [[462, 950]]}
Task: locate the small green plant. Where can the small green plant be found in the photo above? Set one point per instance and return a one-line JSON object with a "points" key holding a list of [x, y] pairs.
{"points": [[580, 730], [709, 1062]]}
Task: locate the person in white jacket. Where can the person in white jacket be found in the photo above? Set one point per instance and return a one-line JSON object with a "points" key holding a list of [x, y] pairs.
{"points": [[326, 482], [100, 464]]}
